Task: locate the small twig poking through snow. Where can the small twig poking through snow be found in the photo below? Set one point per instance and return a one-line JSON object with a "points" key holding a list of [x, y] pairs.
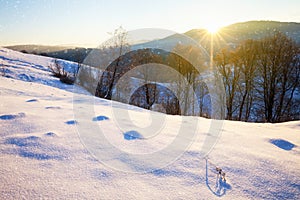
{"points": [[220, 173], [220, 185]]}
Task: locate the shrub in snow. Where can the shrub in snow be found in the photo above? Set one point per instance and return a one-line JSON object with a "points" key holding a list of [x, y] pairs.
{"points": [[58, 71], [68, 79]]}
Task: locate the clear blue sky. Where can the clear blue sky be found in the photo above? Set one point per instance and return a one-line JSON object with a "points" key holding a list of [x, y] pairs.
{"points": [[79, 22]]}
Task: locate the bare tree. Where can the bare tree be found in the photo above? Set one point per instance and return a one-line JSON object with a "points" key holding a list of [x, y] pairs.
{"points": [[279, 70], [186, 76], [230, 72], [246, 58], [116, 46], [261, 78]]}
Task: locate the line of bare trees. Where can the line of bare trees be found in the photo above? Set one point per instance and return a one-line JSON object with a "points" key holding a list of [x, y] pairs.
{"points": [[184, 86], [261, 79]]}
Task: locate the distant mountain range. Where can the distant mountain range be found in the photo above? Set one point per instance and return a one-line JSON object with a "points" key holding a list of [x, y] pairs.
{"points": [[75, 54], [229, 35], [38, 49]]}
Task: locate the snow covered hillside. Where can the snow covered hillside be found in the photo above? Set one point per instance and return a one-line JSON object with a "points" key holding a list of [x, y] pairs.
{"points": [[32, 68], [44, 153]]}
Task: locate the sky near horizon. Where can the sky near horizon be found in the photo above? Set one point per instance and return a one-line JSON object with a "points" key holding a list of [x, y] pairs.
{"points": [[87, 23]]}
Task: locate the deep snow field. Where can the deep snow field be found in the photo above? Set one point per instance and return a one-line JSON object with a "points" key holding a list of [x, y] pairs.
{"points": [[43, 157]]}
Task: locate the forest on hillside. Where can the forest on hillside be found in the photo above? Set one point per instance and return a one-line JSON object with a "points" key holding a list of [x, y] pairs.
{"points": [[260, 78], [257, 61]]}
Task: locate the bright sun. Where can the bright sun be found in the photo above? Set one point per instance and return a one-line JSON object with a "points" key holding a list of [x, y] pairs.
{"points": [[212, 28]]}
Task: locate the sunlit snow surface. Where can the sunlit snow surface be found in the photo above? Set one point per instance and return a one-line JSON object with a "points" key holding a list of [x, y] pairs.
{"points": [[42, 155]]}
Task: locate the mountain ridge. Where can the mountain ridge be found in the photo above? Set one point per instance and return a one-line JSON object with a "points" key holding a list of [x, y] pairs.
{"points": [[228, 35]]}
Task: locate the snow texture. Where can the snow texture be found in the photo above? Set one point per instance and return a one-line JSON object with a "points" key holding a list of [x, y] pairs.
{"points": [[42, 156]]}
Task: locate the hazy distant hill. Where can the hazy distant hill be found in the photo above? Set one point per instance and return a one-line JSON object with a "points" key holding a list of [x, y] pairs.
{"points": [[38, 49], [75, 54]]}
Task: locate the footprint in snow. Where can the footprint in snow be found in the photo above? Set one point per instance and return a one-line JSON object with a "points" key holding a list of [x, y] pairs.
{"points": [[100, 118], [282, 144], [32, 100], [11, 117], [53, 107], [50, 134], [132, 135], [71, 122]]}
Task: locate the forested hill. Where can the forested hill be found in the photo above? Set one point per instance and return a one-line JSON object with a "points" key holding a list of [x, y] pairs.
{"points": [[235, 33]]}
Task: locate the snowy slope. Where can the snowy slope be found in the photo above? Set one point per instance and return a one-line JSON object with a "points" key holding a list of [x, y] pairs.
{"points": [[32, 68], [43, 156]]}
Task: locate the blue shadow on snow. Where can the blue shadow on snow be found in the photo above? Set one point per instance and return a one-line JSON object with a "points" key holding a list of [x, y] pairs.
{"points": [[31, 100], [53, 107], [132, 135], [23, 142], [282, 144], [71, 122], [51, 134], [37, 156], [8, 117], [25, 148], [220, 187], [11, 117], [100, 118]]}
